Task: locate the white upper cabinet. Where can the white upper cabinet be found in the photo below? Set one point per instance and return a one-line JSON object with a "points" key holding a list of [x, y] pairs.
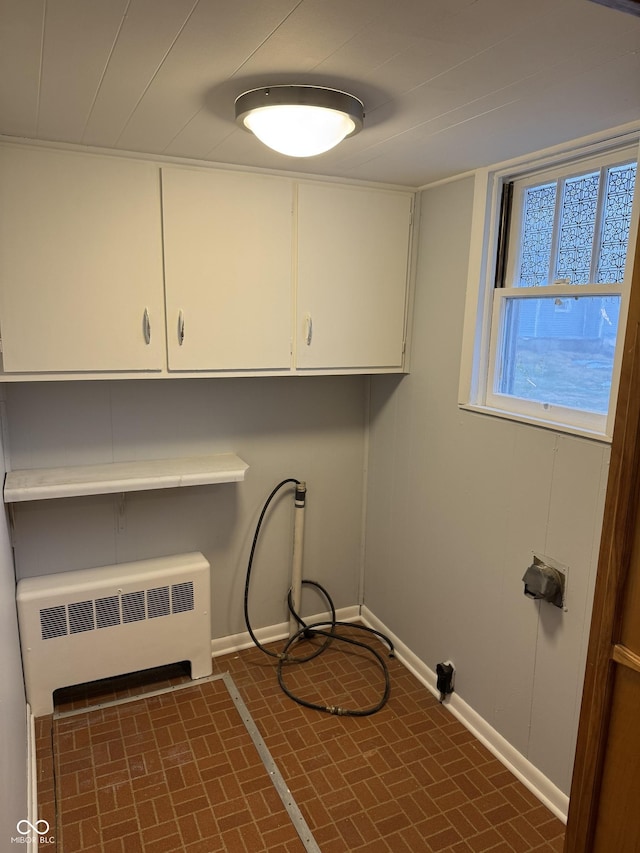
{"points": [[228, 269], [80, 263], [353, 251], [118, 266]]}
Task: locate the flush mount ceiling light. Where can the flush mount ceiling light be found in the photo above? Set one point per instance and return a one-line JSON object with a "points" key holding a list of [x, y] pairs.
{"points": [[300, 121]]}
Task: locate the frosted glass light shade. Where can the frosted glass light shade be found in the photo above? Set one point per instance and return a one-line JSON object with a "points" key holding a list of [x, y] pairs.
{"points": [[299, 121], [298, 130]]}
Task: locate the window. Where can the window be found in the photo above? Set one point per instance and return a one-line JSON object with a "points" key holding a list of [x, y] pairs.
{"points": [[547, 344]]}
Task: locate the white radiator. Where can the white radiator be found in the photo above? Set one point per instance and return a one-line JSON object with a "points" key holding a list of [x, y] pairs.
{"points": [[89, 624]]}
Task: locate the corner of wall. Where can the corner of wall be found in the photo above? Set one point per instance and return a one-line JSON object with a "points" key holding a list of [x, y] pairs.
{"points": [[539, 785]]}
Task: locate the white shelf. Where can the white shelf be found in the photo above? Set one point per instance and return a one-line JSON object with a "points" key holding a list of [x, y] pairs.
{"points": [[41, 483]]}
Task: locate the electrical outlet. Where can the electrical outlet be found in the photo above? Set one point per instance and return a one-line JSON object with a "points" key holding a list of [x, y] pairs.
{"points": [[445, 677]]}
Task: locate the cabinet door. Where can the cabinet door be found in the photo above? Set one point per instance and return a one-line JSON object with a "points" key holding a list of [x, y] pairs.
{"points": [[80, 262], [353, 247], [228, 270]]}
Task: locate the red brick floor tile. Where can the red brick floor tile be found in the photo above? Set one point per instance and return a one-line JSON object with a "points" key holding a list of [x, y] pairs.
{"points": [[178, 771]]}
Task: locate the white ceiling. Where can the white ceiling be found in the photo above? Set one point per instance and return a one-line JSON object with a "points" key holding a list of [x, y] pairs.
{"points": [[448, 85]]}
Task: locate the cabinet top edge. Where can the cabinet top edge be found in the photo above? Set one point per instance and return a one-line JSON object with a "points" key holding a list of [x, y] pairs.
{"points": [[167, 160]]}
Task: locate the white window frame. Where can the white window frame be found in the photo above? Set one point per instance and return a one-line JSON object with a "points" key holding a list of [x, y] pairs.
{"points": [[485, 302]]}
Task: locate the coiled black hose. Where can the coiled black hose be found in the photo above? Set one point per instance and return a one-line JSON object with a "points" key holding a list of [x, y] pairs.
{"points": [[325, 629]]}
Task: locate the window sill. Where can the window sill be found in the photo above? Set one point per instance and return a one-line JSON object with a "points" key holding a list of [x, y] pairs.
{"points": [[536, 422]]}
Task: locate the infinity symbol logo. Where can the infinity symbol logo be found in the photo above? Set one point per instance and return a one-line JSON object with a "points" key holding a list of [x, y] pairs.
{"points": [[40, 826]]}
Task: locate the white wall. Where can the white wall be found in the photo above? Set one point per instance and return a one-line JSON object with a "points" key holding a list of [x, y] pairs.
{"points": [[457, 504], [13, 713], [309, 428]]}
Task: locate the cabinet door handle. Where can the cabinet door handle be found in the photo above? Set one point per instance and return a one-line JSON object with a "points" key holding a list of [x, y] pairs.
{"points": [[146, 326], [308, 330], [180, 328]]}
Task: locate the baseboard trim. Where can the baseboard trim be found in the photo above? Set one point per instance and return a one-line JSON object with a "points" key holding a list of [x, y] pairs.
{"points": [[272, 633], [539, 785], [32, 777]]}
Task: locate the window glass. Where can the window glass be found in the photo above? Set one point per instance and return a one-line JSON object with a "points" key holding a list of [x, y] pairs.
{"points": [[552, 330], [576, 229], [559, 351], [537, 235], [558, 242], [614, 239]]}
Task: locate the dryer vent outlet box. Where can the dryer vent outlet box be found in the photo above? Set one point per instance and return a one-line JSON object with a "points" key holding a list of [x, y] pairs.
{"points": [[89, 624], [546, 579]]}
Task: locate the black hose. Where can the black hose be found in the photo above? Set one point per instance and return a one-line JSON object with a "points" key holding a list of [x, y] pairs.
{"points": [[250, 564], [315, 629]]}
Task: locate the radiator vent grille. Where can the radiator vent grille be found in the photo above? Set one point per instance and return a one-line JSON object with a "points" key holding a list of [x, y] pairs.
{"points": [[182, 597], [107, 612], [81, 617], [133, 606], [53, 621], [158, 602]]}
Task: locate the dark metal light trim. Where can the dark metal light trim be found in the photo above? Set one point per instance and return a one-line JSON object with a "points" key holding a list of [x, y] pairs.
{"points": [[313, 96]]}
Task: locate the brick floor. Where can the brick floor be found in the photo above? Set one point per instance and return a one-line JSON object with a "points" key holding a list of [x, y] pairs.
{"points": [[179, 772]]}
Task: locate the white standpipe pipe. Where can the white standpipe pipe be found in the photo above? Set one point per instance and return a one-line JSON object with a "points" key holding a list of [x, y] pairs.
{"points": [[296, 572]]}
